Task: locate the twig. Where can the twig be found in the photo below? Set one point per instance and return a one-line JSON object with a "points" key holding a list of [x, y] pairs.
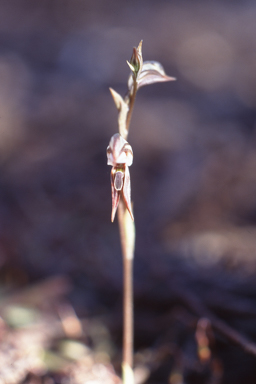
{"points": [[198, 307]]}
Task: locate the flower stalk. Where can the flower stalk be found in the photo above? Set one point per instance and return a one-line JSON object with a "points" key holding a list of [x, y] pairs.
{"points": [[120, 157]]}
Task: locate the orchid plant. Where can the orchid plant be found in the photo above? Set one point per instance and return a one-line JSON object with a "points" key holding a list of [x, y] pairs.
{"points": [[120, 157]]}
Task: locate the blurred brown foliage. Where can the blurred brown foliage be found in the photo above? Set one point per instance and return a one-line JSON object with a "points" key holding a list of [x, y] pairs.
{"points": [[194, 142]]}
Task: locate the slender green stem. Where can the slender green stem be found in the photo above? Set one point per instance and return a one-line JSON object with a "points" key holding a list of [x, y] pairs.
{"points": [[132, 98], [127, 236], [128, 312]]}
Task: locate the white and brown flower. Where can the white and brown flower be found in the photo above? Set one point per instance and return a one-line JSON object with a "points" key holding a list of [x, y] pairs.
{"points": [[120, 156]]}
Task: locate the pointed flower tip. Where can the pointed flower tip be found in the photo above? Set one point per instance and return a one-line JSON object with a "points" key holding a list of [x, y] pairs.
{"points": [[113, 92], [112, 217], [170, 78], [130, 66], [118, 100], [115, 203], [139, 49], [129, 209]]}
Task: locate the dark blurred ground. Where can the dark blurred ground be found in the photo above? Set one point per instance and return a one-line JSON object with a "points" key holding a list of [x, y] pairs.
{"points": [[193, 177]]}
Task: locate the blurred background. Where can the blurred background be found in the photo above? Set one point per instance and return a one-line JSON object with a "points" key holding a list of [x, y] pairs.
{"points": [[193, 176]]}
